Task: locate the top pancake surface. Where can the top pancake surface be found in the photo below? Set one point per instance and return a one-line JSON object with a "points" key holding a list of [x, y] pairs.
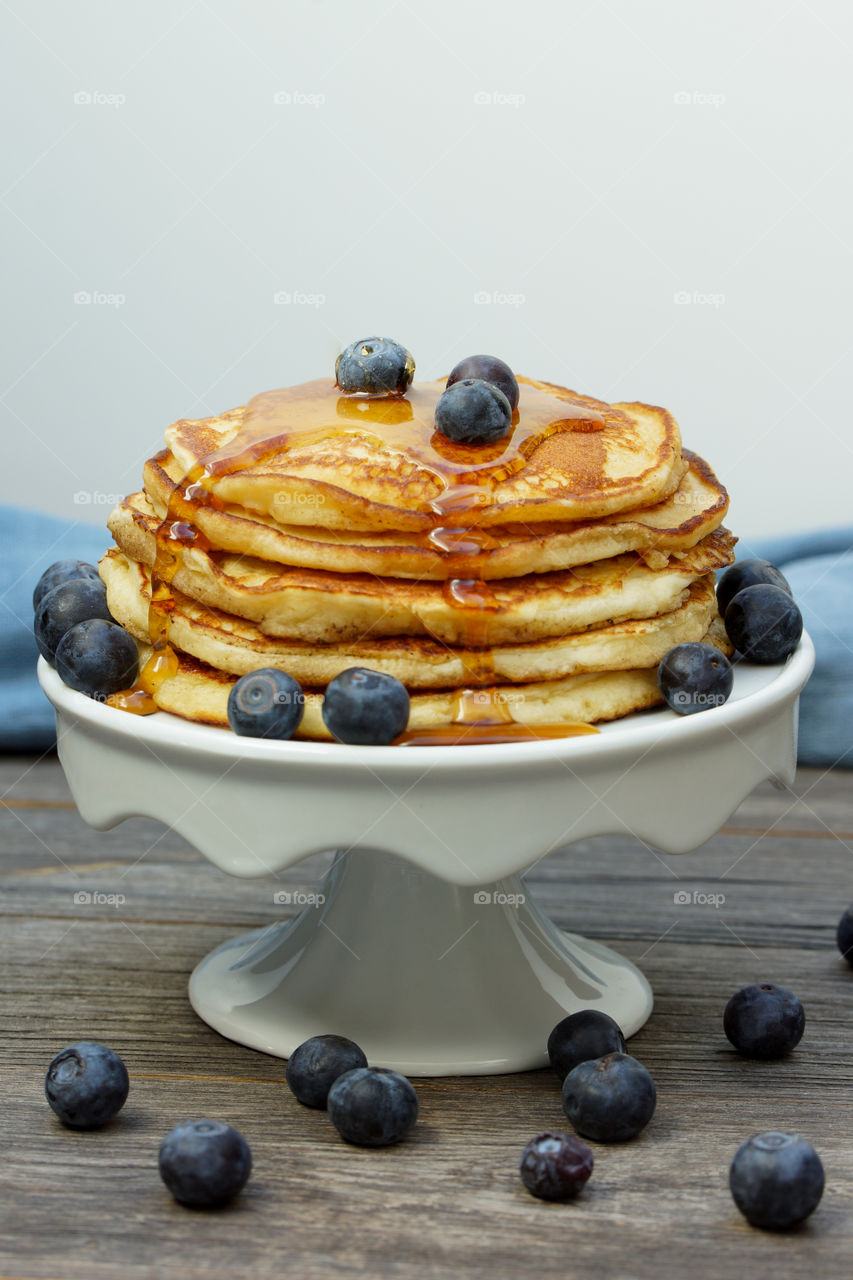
{"points": [[308, 455]]}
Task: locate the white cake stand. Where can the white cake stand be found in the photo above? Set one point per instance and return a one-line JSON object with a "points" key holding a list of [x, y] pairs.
{"points": [[423, 946]]}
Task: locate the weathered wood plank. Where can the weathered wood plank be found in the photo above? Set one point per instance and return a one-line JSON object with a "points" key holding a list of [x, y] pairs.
{"points": [[447, 1202]]}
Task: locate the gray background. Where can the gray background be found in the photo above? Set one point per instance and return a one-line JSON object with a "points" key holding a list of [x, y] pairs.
{"points": [[642, 201]]}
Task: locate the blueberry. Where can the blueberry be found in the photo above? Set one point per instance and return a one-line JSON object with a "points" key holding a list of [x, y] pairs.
{"points": [[314, 1067], [764, 1021], [694, 676], [62, 571], [555, 1166], [747, 573], [473, 412], [487, 369], [844, 935], [70, 602], [266, 704], [86, 1085], [376, 366], [764, 623], [365, 707], [97, 658], [776, 1179], [609, 1099], [204, 1163], [589, 1033], [372, 1106]]}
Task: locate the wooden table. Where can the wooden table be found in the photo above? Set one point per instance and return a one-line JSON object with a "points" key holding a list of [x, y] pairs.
{"points": [[448, 1201]]}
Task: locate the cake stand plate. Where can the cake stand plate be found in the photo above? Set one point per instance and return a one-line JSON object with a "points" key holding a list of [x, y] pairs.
{"points": [[422, 943]]}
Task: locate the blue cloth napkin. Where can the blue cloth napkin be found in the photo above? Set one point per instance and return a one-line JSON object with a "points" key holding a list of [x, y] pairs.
{"points": [[819, 567], [31, 542]]}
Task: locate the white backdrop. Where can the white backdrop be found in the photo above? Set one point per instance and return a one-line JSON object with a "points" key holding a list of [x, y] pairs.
{"points": [[205, 198]]}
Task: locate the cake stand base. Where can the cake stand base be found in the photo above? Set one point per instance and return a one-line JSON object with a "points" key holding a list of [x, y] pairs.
{"points": [[430, 978]]}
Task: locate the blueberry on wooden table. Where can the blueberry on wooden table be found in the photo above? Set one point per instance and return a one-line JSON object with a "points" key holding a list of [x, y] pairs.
{"points": [[204, 1163], [844, 935], [609, 1099], [555, 1166], [776, 1179], [372, 1106], [86, 1085], [763, 1020], [315, 1065], [589, 1033]]}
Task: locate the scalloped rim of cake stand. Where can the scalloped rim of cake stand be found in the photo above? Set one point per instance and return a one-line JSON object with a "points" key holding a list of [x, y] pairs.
{"points": [[468, 814]]}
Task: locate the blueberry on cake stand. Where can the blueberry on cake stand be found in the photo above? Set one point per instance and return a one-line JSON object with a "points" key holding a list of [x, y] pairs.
{"points": [[423, 944]]}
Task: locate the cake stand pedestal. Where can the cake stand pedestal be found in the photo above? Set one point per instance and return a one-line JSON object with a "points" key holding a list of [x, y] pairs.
{"points": [[423, 944]]}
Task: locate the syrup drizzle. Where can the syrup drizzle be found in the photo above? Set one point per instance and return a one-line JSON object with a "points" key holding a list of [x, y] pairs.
{"points": [[464, 478], [467, 734]]}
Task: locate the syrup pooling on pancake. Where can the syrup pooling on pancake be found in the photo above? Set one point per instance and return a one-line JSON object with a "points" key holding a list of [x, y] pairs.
{"points": [[293, 417], [463, 480]]}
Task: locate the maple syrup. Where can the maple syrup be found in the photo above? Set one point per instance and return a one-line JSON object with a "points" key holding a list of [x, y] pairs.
{"points": [[135, 700], [464, 474], [161, 665], [477, 734], [464, 478]]}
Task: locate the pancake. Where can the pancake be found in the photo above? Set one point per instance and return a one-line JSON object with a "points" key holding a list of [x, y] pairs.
{"points": [[237, 647], [324, 607], [200, 693], [307, 455], [696, 508]]}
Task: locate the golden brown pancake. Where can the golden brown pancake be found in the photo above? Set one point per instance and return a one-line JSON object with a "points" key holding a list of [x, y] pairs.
{"points": [[695, 509], [308, 455], [312, 605], [236, 646], [200, 692]]}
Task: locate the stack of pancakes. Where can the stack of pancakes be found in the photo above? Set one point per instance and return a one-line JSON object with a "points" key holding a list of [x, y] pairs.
{"points": [[313, 532]]}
